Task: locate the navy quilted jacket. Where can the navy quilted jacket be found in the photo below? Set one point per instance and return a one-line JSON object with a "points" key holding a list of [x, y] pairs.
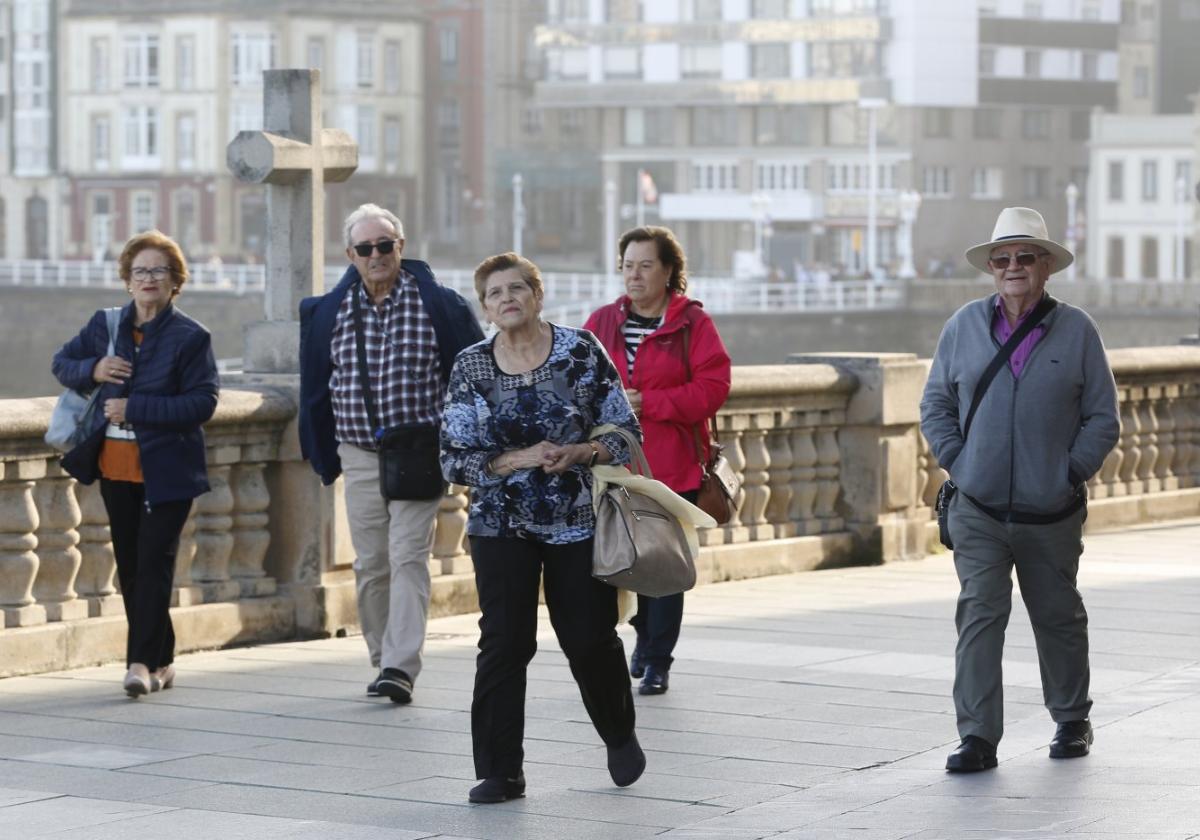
{"points": [[172, 392]]}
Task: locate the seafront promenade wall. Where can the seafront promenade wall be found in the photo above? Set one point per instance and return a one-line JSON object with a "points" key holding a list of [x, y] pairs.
{"points": [[835, 472]]}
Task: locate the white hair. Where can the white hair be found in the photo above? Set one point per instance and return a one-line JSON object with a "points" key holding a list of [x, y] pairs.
{"points": [[371, 211]]}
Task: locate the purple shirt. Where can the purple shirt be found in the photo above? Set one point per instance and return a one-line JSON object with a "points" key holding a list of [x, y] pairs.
{"points": [[1002, 332]]}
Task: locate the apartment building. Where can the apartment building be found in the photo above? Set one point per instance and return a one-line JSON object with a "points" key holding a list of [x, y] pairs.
{"points": [[758, 114], [152, 95]]}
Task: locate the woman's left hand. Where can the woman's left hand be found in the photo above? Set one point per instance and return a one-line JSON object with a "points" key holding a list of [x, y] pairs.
{"points": [[114, 410], [562, 458]]}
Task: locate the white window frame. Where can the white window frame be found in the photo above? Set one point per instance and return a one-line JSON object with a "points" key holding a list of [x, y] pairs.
{"points": [[143, 210], [391, 66], [100, 130], [142, 137], [250, 53], [99, 64], [715, 176], [142, 60], [185, 62], [185, 141], [364, 59], [987, 183], [937, 182]]}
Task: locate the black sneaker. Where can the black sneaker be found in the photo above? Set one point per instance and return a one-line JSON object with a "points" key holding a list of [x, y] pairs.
{"points": [[395, 685], [497, 789]]}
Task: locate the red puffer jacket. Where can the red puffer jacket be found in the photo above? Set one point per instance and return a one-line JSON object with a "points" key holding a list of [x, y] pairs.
{"points": [[672, 406]]}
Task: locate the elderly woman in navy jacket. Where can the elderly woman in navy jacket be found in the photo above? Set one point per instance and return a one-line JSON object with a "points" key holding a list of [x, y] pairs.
{"points": [[146, 446]]}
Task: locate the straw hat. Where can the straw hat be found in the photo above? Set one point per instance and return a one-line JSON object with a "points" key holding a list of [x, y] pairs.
{"points": [[1019, 224]]}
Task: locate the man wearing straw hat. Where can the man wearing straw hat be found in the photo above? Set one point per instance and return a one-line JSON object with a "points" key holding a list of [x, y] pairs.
{"points": [[1038, 430]]}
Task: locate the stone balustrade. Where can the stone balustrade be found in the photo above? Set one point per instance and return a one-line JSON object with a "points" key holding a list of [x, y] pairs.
{"points": [[834, 469]]}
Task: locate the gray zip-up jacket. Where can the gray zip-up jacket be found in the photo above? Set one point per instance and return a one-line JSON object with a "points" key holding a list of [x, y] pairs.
{"points": [[1033, 439]]}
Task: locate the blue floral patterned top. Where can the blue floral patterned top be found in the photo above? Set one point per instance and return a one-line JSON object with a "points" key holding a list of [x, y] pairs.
{"points": [[489, 412]]}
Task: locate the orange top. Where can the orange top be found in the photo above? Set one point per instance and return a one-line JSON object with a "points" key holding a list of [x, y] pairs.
{"points": [[119, 458]]}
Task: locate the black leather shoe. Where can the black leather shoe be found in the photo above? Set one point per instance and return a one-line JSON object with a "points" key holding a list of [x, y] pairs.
{"points": [[395, 685], [1073, 739], [373, 686], [626, 763], [654, 682], [497, 789], [637, 663], [973, 754]]}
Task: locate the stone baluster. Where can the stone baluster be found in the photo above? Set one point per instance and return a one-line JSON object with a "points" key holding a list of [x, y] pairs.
{"points": [[186, 591], [1102, 484], [804, 480], [1186, 414], [779, 450], [1167, 450], [1126, 484], [449, 557], [757, 474], [251, 534], [1149, 442], [931, 474], [97, 563], [828, 485], [18, 562], [58, 557], [214, 538], [737, 530]]}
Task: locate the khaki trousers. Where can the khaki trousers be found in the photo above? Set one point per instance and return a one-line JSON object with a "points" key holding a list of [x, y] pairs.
{"points": [[392, 541], [1046, 558]]}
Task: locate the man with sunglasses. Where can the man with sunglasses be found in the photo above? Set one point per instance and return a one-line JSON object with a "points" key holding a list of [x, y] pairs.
{"points": [[1041, 429], [411, 329]]}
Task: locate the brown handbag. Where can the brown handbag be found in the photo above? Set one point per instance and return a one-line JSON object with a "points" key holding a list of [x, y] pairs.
{"points": [[719, 484]]}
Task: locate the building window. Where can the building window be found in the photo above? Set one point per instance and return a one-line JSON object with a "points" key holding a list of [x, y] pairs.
{"points": [[391, 144], [1115, 258], [143, 211], [770, 10], [1149, 257], [568, 64], [1091, 10], [391, 66], [987, 8], [938, 122], [649, 127], [185, 62], [1081, 125], [780, 125], [101, 138], [987, 182], [448, 46], [141, 137], [718, 176], [987, 61], [250, 54], [937, 182], [366, 131], [1116, 180], [531, 120], [245, 116], [449, 122], [986, 123], [1149, 180], [1089, 68], [1141, 82], [1183, 173], [1033, 64], [622, 63], [700, 61], [99, 64], [185, 141], [770, 61], [364, 51], [141, 60], [1033, 10], [315, 51], [573, 11], [570, 122], [714, 126], [781, 176], [1035, 124], [1036, 182], [702, 10]]}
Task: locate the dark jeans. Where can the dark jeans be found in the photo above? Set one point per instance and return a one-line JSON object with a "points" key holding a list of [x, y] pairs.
{"points": [[658, 621], [145, 542], [583, 612]]}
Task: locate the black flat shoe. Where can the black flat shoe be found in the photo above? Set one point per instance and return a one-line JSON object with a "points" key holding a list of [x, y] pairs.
{"points": [[973, 754], [654, 682], [626, 763], [373, 686], [637, 663], [1073, 739], [497, 789], [395, 685]]}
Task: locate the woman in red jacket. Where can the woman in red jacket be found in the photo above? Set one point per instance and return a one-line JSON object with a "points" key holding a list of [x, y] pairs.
{"points": [[676, 373]]}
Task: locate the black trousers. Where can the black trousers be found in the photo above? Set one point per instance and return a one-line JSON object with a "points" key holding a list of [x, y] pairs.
{"points": [[583, 612], [145, 542], [659, 620]]}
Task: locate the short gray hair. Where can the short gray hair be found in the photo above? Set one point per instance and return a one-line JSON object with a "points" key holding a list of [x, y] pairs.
{"points": [[371, 211]]}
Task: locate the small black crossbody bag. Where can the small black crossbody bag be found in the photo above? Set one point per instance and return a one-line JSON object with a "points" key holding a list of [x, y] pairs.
{"points": [[949, 488], [409, 467]]}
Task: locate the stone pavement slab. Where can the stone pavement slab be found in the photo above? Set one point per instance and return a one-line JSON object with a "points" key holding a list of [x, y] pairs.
{"points": [[811, 706]]}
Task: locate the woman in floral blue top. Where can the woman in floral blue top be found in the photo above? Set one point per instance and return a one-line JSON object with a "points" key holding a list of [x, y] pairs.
{"points": [[519, 409]]}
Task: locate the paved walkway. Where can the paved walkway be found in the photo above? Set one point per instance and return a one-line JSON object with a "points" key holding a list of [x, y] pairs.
{"points": [[811, 706]]}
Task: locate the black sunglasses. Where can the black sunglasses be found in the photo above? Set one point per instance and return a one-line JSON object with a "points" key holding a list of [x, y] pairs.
{"points": [[1002, 262], [363, 249]]}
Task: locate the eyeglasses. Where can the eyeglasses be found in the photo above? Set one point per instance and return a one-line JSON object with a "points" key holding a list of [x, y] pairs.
{"points": [[363, 249], [1002, 262], [150, 275]]}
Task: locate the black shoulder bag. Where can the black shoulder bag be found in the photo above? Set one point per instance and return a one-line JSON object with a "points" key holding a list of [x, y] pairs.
{"points": [[949, 488], [409, 468]]}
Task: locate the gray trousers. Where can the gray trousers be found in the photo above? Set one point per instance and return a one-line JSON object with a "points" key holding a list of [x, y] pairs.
{"points": [[1046, 558], [392, 541]]}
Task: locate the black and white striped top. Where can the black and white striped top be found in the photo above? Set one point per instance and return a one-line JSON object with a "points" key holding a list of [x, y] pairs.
{"points": [[636, 328]]}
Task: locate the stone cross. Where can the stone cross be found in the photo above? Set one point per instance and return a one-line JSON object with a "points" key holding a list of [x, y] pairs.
{"points": [[294, 155]]}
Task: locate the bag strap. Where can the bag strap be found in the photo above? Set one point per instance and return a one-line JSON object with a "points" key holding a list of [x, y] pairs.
{"points": [[638, 457], [687, 364], [1043, 308], [360, 341], [112, 317]]}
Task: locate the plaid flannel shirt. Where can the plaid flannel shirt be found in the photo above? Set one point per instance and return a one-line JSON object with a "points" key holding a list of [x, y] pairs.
{"points": [[402, 364]]}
